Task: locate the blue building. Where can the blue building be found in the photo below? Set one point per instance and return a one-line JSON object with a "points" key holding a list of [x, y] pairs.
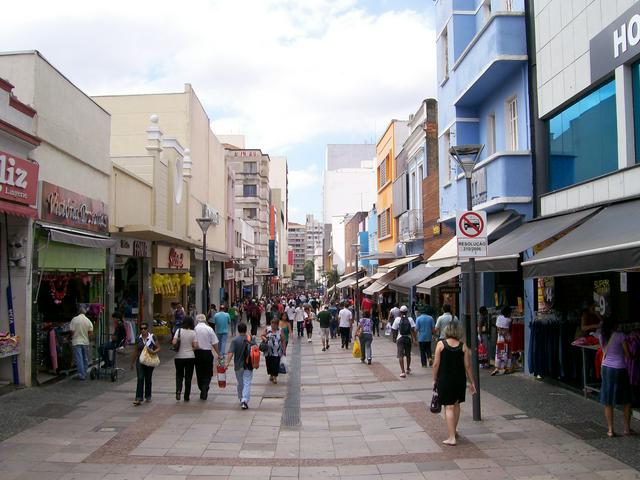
{"points": [[372, 243], [483, 98]]}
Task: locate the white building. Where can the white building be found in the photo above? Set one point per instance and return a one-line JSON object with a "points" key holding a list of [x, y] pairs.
{"points": [[279, 183], [346, 191]]}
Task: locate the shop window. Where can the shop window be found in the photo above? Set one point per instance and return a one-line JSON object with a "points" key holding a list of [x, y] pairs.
{"points": [[583, 139], [384, 224]]}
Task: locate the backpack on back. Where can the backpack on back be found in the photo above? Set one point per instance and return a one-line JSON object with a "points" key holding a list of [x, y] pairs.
{"points": [[251, 355], [405, 326]]}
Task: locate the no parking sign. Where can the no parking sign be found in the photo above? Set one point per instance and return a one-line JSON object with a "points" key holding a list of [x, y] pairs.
{"points": [[471, 232]]}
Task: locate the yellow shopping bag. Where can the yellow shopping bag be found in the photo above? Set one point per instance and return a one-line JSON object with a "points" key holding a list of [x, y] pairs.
{"points": [[356, 349]]}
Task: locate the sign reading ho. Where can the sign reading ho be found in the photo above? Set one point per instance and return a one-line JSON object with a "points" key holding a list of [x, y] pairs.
{"points": [[471, 234], [616, 44]]}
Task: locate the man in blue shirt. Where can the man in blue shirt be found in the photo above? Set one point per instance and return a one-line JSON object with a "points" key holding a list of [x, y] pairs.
{"points": [[222, 320], [424, 326]]}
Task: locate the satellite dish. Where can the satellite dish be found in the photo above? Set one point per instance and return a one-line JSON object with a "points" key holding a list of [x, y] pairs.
{"points": [[177, 181], [400, 250]]}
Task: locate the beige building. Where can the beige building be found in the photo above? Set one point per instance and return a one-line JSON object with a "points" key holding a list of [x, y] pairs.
{"points": [[171, 222], [279, 183], [65, 253]]}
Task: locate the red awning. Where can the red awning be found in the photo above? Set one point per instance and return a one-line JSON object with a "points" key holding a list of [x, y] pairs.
{"points": [[19, 210]]}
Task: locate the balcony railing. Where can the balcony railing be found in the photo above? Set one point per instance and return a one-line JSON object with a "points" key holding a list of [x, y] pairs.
{"points": [[411, 225]]}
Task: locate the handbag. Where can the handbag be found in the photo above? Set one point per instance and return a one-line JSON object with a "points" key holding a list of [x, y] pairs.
{"points": [[283, 368], [435, 406], [176, 347], [149, 358]]}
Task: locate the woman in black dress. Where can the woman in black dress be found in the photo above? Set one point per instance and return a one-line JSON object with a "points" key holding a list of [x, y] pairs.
{"points": [[451, 369]]}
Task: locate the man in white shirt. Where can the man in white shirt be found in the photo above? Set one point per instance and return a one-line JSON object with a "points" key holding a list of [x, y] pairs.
{"points": [[345, 318], [443, 320], [406, 335], [82, 330], [290, 310], [299, 318], [393, 314], [207, 341]]}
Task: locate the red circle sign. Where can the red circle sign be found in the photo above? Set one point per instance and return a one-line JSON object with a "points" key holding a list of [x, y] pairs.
{"points": [[471, 224]]}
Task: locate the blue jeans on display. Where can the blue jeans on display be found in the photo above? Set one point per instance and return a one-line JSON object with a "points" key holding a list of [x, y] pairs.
{"points": [[222, 346], [244, 378], [81, 357]]}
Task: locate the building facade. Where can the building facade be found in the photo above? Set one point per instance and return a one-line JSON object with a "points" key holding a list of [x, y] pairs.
{"points": [[356, 224], [297, 245], [348, 187], [279, 183], [388, 147]]}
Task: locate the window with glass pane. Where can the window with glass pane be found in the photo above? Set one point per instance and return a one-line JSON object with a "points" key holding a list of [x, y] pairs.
{"points": [[250, 212], [249, 190], [635, 73], [512, 124], [250, 167], [583, 139]]}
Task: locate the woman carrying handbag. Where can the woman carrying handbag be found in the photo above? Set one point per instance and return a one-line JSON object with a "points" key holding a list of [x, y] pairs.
{"points": [[145, 358]]}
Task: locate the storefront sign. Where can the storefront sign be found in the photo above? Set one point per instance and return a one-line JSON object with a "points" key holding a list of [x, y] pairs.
{"points": [[601, 296], [172, 258], [616, 44], [18, 179], [65, 207], [212, 213], [229, 273], [128, 247]]}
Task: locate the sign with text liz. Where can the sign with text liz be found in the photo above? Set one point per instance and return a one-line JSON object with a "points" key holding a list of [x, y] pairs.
{"points": [[471, 234], [18, 179], [65, 207]]}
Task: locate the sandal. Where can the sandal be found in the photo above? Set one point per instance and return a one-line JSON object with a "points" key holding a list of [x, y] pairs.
{"points": [[494, 373], [629, 433], [137, 402], [403, 375], [611, 434]]}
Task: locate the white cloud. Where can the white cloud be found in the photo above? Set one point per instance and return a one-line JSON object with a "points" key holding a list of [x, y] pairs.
{"points": [[307, 180], [282, 72]]}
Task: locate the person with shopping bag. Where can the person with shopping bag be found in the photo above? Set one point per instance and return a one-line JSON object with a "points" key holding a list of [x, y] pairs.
{"points": [[275, 348], [364, 333], [145, 358]]}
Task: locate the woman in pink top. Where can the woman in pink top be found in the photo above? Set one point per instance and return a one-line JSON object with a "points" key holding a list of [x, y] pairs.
{"points": [[615, 379]]}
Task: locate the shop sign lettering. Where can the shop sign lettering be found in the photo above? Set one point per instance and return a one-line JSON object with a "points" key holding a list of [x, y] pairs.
{"points": [[176, 259], [129, 247], [601, 295], [69, 208], [18, 179]]}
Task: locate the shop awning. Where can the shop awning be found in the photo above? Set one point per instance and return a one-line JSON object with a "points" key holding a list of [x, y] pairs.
{"points": [[348, 275], [377, 256], [504, 253], [405, 282], [609, 241], [387, 267], [331, 289], [212, 255], [346, 283], [447, 256], [377, 275], [79, 239], [440, 279], [18, 210], [364, 281], [381, 283]]}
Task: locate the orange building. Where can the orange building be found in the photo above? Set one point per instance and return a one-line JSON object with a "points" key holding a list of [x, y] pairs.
{"points": [[388, 146]]}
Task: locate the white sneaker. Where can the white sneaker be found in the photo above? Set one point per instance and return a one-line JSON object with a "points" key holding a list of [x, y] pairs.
{"points": [[309, 341]]}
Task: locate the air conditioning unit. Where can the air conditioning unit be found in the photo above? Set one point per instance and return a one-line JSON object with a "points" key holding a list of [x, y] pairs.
{"points": [[400, 250]]}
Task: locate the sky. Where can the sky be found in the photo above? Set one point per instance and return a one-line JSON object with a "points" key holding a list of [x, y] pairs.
{"points": [[290, 75]]}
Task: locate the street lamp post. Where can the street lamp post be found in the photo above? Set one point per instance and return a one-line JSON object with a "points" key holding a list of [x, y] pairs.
{"points": [[205, 223], [466, 157], [254, 262], [356, 246]]}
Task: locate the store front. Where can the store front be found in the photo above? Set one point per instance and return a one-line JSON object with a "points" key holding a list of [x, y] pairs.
{"points": [[69, 272], [132, 276], [171, 281]]}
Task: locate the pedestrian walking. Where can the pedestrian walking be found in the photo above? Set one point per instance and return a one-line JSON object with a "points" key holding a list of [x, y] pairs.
{"points": [[393, 314], [290, 310], [365, 333], [345, 318], [503, 342], [276, 348], [299, 317], [144, 373], [309, 317], [221, 321], [451, 369], [185, 359], [178, 317], [285, 328], [404, 329], [333, 325], [207, 344], [233, 319], [616, 389], [483, 335], [424, 327], [239, 351], [324, 318], [443, 320], [253, 316], [375, 319], [82, 330]]}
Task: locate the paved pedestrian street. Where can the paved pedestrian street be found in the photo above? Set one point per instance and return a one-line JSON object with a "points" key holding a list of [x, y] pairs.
{"points": [[331, 418]]}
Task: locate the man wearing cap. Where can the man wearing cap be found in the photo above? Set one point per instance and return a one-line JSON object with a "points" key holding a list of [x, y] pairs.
{"points": [[406, 335]]}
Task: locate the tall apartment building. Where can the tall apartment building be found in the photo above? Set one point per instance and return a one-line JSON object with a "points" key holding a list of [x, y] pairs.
{"points": [[279, 183], [314, 231], [251, 167], [297, 243], [348, 187]]}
